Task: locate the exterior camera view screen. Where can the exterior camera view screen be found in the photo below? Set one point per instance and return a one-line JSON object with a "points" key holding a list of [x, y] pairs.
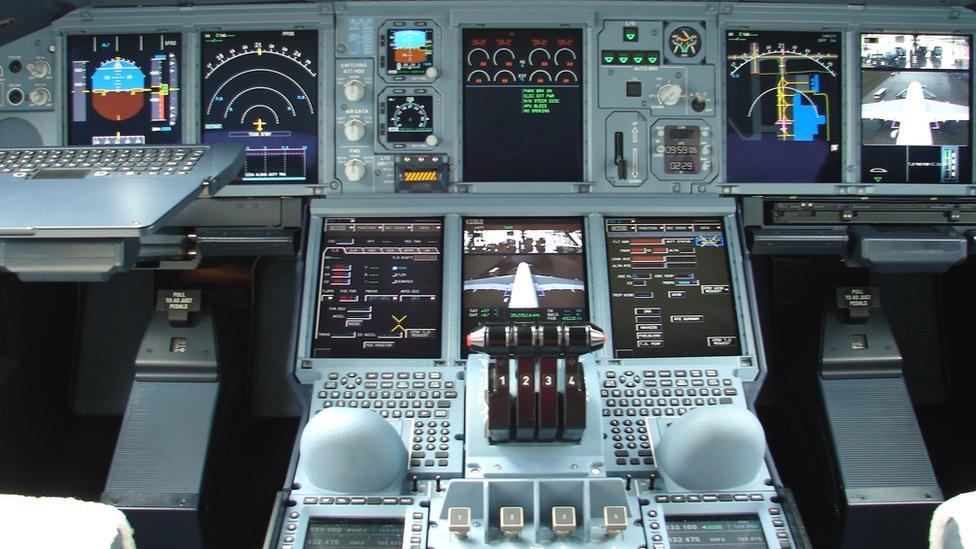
{"points": [[531, 270], [915, 108], [783, 106], [523, 104]]}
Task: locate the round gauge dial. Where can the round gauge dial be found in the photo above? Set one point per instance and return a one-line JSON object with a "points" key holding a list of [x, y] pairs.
{"points": [[409, 118], [684, 42]]}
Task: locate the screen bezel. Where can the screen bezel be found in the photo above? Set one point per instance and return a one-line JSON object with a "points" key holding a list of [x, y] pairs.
{"points": [[374, 521], [698, 519]]}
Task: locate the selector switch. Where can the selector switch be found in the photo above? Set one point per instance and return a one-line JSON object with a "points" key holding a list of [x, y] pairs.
{"points": [[459, 521], [354, 129], [354, 170], [511, 521], [354, 90], [669, 94], [699, 101]]}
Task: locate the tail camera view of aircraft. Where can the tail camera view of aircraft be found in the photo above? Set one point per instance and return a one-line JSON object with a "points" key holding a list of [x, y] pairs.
{"points": [[520, 267], [915, 93]]}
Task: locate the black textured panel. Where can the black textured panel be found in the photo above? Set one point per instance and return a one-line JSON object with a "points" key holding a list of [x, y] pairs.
{"points": [[163, 442], [17, 132], [876, 435]]}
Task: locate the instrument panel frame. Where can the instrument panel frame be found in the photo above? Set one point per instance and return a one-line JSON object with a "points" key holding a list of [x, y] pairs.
{"points": [[593, 210]]}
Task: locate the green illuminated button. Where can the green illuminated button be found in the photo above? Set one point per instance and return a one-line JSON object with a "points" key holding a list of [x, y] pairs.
{"points": [[638, 59], [608, 57], [623, 59], [630, 34], [878, 178], [652, 57]]}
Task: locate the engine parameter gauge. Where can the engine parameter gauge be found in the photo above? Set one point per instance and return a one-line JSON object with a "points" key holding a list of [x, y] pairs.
{"points": [[260, 89], [684, 42]]}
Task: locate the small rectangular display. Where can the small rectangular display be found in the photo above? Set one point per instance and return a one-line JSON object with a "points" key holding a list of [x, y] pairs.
{"points": [[682, 145], [783, 91], [670, 288], [409, 51], [708, 532], [260, 89], [358, 533], [523, 104], [531, 270], [124, 89], [409, 118], [915, 108], [379, 289]]}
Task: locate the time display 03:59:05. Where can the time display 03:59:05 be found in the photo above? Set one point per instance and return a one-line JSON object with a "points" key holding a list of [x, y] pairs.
{"points": [[680, 149]]}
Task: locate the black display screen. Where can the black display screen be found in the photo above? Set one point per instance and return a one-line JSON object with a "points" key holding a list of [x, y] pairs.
{"points": [[915, 108], [260, 89], [379, 289], [783, 106], [523, 104], [682, 145], [531, 270], [409, 51], [124, 89], [709, 532], [409, 118], [358, 533], [670, 288]]}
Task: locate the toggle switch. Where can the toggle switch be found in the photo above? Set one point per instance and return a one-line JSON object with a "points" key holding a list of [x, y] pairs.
{"points": [[459, 521], [511, 521], [563, 520], [614, 519]]}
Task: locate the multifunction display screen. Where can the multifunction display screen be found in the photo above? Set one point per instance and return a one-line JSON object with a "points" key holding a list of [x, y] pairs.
{"points": [[358, 533], [260, 89], [125, 89], [409, 51], [670, 288], [531, 270], [712, 532], [783, 106], [523, 104], [915, 108], [379, 289]]}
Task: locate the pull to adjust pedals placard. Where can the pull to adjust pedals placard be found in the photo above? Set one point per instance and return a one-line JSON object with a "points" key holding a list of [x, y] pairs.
{"points": [[179, 305], [858, 302]]}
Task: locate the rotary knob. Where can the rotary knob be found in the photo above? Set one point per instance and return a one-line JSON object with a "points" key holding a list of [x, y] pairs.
{"points": [[39, 69], [354, 169], [432, 72], [354, 90], [355, 129], [669, 94], [39, 96]]}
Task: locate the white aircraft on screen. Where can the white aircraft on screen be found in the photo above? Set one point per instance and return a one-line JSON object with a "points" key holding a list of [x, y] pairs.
{"points": [[524, 287], [914, 114]]}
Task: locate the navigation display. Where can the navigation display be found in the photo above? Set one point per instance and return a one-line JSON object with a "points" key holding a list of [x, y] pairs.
{"points": [[358, 533], [523, 104], [531, 270], [409, 51], [379, 289], [125, 89], [721, 531], [915, 108], [670, 288], [783, 106], [260, 89]]}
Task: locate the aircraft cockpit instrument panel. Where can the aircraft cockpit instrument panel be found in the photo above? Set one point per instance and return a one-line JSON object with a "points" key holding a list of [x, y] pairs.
{"points": [[915, 108], [125, 89], [260, 89], [379, 289], [783, 109]]}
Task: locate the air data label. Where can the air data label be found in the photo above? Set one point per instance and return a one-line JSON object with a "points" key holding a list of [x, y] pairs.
{"points": [[670, 288]]}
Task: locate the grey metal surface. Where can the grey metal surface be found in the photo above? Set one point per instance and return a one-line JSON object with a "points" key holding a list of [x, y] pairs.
{"points": [[108, 206]]}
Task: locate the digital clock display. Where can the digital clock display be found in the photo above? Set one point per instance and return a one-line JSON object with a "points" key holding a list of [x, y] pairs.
{"points": [[682, 146]]}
